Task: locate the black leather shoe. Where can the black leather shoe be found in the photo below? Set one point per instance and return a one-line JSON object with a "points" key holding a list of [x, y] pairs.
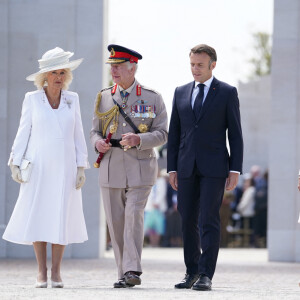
{"points": [[122, 284], [202, 284], [187, 282], [132, 278]]}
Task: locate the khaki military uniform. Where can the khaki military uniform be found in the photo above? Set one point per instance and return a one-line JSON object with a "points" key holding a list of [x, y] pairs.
{"points": [[126, 177]]}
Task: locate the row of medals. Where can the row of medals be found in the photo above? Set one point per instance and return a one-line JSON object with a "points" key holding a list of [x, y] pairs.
{"points": [[135, 110]]}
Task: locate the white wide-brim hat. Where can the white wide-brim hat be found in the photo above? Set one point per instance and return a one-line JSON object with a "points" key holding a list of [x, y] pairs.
{"points": [[55, 59]]}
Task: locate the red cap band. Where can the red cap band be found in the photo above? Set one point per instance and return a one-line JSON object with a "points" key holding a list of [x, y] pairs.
{"points": [[131, 58]]}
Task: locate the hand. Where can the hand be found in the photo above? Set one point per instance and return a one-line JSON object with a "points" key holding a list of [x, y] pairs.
{"points": [[299, 183], [102, 147], [80, 178], [130, 140], [173, 180], [16, 173], [232, 181]]}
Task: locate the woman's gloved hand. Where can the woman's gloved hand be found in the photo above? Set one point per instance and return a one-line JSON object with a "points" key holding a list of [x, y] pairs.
{"points": [[80, 178], [16, 173]]}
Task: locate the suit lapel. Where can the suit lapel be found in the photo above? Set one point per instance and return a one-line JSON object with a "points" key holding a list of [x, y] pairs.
{"points": [[213, 90], [187, 99], [63, 100]]}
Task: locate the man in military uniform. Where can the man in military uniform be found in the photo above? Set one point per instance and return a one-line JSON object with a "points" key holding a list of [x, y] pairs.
{"points": [[137, 119]]}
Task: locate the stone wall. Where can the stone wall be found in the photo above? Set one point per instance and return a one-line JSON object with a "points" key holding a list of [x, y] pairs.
{"points": [[284, 153], [255, 97]]}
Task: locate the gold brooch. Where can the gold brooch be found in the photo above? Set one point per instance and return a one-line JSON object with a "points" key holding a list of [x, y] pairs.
{"points": [[112, 52], [143, 128]]}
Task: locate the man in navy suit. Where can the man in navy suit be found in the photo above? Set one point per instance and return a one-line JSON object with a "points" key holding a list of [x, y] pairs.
{"points": [[199, 164]]}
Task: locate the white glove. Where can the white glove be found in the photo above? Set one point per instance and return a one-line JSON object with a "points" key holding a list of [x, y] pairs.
{"points": [[80, 178], [16, 173]]}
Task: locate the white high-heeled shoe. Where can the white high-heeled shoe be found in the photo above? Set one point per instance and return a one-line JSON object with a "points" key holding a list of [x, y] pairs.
{"points": [[41, 284], [55, 284]]}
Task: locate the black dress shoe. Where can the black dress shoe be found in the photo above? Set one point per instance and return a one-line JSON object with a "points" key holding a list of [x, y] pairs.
{"points": [[132, 278], [187, 282], [202, 284], [122, 284]]}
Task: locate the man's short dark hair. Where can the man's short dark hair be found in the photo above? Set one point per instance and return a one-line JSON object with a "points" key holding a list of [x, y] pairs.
{"points": [[211, 52]]}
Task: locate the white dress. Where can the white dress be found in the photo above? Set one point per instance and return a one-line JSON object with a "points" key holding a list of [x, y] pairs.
{"points": [[49, 208]]}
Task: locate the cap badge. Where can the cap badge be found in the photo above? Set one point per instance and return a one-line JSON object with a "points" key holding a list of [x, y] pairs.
{"points": [[112, 52]]}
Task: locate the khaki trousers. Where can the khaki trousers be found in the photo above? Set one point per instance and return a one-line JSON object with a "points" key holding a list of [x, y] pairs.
{"points": [[124, 210]]}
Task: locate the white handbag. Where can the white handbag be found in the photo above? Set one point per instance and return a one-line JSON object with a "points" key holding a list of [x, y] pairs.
{"points": [[26, 169]]}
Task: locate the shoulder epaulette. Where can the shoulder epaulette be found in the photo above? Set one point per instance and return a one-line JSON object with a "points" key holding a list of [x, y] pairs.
{"points": [[107, 88], [149, 89]]}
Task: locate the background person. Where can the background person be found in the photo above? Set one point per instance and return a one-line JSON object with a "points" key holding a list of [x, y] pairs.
{"points": [[155, 219], [50, 136]]}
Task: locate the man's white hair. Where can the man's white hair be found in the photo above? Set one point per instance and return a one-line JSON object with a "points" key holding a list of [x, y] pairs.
{"points": [[132, 65]]}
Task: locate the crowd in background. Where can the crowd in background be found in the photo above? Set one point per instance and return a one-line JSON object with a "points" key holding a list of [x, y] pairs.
{"points": [[162, 224], [243, 213]]}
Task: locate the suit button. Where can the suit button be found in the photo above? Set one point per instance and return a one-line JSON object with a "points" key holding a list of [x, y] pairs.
{"points": [[124, 124], [196, 126]]}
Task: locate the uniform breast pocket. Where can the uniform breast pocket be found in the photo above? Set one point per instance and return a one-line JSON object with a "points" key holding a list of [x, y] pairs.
{"points": [[143, 124]]}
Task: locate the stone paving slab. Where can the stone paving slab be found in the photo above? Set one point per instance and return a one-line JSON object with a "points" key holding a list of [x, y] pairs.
{"points": [[240, 274]]}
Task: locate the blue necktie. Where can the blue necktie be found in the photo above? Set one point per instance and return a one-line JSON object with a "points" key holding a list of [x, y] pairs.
{"points": [[124, 94], [199, 100]]}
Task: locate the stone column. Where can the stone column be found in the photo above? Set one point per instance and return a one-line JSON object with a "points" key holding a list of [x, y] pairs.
{"points": [[284, 159], [3, 116]]}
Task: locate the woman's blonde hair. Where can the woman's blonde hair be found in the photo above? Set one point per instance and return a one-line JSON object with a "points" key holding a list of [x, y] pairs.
{"points": [[41, 79]]}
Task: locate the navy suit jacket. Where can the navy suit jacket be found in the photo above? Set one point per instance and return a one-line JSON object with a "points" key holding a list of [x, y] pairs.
{"points": [[202, 139]]}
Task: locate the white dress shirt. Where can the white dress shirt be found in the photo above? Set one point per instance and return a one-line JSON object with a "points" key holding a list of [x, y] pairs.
{"points": [[195, 92], [129, 90]]}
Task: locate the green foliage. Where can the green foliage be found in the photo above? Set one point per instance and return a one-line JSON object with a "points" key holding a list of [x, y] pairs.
{"points": [[261, 62]]}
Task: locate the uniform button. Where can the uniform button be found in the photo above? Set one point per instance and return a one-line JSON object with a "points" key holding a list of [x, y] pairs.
{"points": [[150, 155], [143, 119], [124, 124], [196, 126]]}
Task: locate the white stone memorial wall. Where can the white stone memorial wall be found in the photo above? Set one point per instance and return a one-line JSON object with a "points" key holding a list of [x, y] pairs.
{"points": [[284, 153]]}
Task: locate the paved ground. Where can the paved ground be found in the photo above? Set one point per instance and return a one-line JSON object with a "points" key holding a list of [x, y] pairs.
{"points": [[241, 274]]}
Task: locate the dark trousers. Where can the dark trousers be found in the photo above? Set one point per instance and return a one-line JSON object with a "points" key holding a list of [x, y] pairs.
{"points": [[199, 202]]}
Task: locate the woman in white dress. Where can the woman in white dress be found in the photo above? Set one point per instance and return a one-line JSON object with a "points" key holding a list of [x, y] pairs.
{"points": [[50, 136]]}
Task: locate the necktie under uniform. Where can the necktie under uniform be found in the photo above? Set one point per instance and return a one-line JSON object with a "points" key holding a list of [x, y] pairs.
{"points": [[124, 95], [199, 100]]}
